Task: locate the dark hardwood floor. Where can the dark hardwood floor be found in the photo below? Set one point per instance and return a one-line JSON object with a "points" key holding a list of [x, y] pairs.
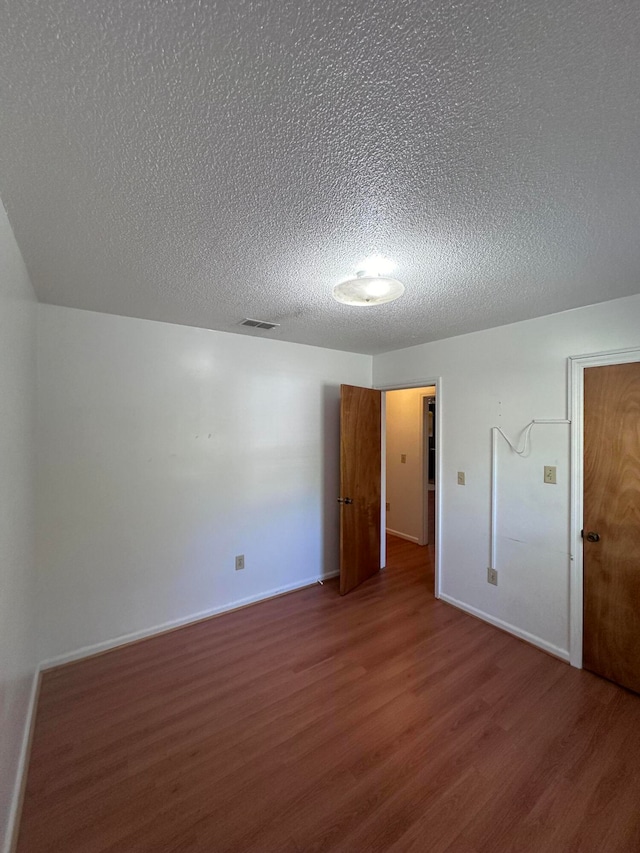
{"points": [[384, 720]]}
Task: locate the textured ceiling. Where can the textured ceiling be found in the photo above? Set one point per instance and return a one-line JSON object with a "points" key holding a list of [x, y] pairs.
{"points": [[200, 162]]}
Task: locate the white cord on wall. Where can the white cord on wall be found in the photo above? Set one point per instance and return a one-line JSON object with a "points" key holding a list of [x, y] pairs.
{"points": [[523, 451]]}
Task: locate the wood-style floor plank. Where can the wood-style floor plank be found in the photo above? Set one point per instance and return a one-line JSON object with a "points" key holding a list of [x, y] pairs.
{"points": [[382, 720]]}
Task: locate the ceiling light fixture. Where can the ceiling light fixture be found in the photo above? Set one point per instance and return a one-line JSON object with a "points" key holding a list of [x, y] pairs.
{"points": [[368, 290]]}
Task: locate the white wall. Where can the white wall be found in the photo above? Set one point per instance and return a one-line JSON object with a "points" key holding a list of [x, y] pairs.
{"points": [[17, 416], [164, 452], [404, 423], [506, 377]]}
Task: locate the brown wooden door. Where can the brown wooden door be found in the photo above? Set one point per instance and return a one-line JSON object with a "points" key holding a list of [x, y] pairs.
{"points": [[360, 458], [611, 641]]}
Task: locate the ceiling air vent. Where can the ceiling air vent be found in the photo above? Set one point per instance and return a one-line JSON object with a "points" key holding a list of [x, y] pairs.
{"points": [[259, 324]]}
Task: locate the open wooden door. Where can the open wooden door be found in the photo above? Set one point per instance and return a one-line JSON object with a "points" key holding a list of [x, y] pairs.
{"points": [[611, 630], [360, 461]]}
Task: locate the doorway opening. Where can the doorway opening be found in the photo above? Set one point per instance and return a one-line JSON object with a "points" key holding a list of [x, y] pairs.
{"points": [[363, 482], [409, 478]]}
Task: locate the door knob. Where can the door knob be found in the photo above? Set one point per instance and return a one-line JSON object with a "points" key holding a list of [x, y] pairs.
{"points": [[345, 501], [593, 537]]}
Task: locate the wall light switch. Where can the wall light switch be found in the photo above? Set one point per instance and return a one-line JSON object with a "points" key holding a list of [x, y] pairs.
{"points": [[403, 457], [239, 562], [550, 474], [461, 478]]}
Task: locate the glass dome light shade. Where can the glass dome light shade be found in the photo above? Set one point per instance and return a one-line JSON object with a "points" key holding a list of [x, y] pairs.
{"points": [[368, 290]]}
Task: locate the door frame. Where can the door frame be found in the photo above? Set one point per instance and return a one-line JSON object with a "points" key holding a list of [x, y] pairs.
{"points": [[577, 366], [401, 386], [424, 465]]}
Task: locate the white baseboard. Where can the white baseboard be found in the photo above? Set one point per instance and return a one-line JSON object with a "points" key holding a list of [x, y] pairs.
{"points": [[557, 652], [124, 639], [11, 835], [397, 533]]}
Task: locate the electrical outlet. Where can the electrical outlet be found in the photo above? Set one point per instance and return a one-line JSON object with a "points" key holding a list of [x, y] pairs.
{"points": [[492, 576], [461, 478], [550, 474], [388, 507], [403, 458], [239, 562]]}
